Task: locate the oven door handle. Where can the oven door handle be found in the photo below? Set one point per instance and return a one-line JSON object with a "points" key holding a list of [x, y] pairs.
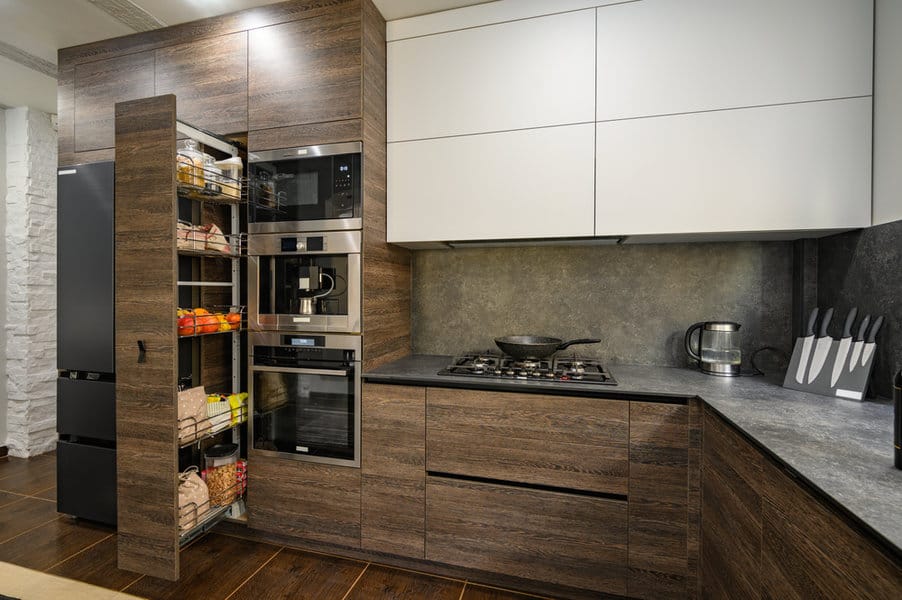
{"points": [[329, 372]]}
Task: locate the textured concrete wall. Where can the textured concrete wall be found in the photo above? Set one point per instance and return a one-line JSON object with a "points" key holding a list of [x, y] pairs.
{"points": [[864, 269], [638, 299], [31, 281]]}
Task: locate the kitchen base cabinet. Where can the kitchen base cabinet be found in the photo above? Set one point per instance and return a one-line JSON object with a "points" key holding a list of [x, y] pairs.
{"points": [[764, 534], [393, 470], [573, 540], [306, 500]]}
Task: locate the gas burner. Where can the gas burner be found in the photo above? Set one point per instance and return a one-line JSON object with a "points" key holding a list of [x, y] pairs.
{"points": [[491, 365]]}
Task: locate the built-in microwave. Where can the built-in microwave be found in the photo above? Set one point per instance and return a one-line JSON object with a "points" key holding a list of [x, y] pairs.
{"points": [[311, 188], [305, 396]]}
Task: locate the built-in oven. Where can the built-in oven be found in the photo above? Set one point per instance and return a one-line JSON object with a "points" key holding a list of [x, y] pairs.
{"points": [[305, 396], [304, 281], [312, 188]]}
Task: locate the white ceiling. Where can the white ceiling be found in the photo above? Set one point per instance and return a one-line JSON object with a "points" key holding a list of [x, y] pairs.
{"points": [[41, 27]]}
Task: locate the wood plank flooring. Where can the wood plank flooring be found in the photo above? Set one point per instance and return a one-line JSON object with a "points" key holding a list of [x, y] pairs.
{"points": [[216, 567]]}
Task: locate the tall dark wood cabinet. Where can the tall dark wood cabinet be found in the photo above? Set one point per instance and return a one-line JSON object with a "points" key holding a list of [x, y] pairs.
{"points": [[766, 535], [146, 296]]}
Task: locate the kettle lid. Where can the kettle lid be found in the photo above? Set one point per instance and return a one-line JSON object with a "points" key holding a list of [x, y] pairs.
{"points": [[722, 326]]}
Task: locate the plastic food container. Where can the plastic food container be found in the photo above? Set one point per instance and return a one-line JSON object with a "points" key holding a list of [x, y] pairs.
{"points": [[231, 180], [221, 462]]}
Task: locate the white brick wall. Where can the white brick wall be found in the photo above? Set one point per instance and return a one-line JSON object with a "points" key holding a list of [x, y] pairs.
{"points": [[31, 281]]}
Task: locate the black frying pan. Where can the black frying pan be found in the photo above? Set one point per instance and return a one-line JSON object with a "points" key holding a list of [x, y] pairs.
{"points": [[533, 346]]}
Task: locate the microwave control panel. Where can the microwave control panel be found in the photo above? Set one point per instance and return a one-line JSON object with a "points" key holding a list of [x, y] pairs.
{"points": [[343, 175]]}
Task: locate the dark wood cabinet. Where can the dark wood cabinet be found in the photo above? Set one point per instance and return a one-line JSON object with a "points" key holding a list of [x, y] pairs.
{"points": [[306, 71], [766, 535], [393, 469], [659, 531], [560, 441], [306, 500], [565, 539], [209, 77], [98, 87]]}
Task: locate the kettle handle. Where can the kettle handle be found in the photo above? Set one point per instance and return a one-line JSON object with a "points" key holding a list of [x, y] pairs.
{"points": [[687, 341]]}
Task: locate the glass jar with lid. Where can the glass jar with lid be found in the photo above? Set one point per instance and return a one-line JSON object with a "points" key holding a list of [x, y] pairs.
{"points": [[190, 161]]}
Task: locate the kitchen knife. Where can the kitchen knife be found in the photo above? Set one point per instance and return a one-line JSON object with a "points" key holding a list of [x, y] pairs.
{"points": [[821, 347], [845, 342], [807, 342], [859, 342], [869, 345]]}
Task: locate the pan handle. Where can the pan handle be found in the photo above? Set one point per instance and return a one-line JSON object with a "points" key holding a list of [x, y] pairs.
{"points": [[580, 341]]}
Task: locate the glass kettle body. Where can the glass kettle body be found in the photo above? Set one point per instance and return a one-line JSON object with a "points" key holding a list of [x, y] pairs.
{"points": [[716, 347]]}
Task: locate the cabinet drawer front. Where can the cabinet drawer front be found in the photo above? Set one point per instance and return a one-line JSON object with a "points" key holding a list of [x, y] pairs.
{"points": [[578, 443], [559, 538]]}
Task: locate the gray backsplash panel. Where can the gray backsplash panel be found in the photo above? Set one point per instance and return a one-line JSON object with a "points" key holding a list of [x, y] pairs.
{"points": [[639, 299], [864, 269]]}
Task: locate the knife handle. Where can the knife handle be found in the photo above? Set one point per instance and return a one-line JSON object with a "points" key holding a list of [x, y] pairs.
{"points": [[825, 322], [850, 320], [863, 328], [872, 334], [812, 320]]}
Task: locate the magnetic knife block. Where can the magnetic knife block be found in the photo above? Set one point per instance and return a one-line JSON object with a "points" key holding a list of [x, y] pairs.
{"points": [[852, 384]]}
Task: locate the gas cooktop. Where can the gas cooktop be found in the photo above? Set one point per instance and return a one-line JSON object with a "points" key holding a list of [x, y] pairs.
{"points": [[492, 365]]}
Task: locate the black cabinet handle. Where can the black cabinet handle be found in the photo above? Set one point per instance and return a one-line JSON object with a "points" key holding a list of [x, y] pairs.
{"points": [[142, 351]]}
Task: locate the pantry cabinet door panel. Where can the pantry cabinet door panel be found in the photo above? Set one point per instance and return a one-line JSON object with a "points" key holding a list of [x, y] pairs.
{"points": [[518, 184], [671, 56], [794, 167], [527, 73]]}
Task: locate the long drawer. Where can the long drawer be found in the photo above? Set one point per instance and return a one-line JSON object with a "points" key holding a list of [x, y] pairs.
{"points": [[558, 441], [566, 539]]}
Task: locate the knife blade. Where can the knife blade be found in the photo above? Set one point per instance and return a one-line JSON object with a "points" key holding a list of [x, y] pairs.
{"points": [[845, 342], [807, 342], [859, 342], [821, 347], [870, 345]]}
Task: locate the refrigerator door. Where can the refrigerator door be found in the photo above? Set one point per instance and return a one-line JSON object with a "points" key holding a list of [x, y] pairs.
{"points": [[86, 481], [86, 408], [85, 268]]}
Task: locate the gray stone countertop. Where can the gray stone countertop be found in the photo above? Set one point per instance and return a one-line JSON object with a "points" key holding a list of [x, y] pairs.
{"points": [[841, 447]]}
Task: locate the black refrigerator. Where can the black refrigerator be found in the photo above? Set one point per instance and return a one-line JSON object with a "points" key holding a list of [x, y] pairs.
{"points": [[86, 386]]}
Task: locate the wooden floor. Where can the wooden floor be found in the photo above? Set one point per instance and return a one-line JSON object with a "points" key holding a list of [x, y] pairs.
{"points": [[217, 567]]}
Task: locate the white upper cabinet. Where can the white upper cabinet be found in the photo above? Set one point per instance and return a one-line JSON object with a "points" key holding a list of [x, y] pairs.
{"points": [[777, 168], [659, 57], [534, 72], [516, 184]]}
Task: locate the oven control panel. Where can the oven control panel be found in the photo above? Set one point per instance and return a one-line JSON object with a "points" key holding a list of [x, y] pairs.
{"points": [[307, 244]]}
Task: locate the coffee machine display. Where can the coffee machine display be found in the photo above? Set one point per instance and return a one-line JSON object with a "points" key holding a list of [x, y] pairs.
{"points": [[305, 282], [716, 348]]}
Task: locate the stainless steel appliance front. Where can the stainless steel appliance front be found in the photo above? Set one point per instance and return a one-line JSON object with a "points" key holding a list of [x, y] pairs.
{"points": [[305, 396], [310, 188], [304, 282]]}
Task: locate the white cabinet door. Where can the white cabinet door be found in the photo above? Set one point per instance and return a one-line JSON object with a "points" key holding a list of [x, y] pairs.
{"points": [[530, 73], [672, 56], [516, 184], [789, 167]]}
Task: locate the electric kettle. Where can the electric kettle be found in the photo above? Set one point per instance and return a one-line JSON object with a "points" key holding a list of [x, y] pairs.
{"points": [[716, 347]]}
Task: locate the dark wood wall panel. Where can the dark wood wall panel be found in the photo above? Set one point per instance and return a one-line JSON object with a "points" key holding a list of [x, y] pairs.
{"points": [[209, 79], [386, 268], [658, 500], [565, 539], [694, 499], [306, 500], [146, 407], [393, 466], [810, 552], [306, 71], [65, 121], [731, 513], [568, 442], [263, 16], [99, 86], [90, 156], [305, 135]]}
